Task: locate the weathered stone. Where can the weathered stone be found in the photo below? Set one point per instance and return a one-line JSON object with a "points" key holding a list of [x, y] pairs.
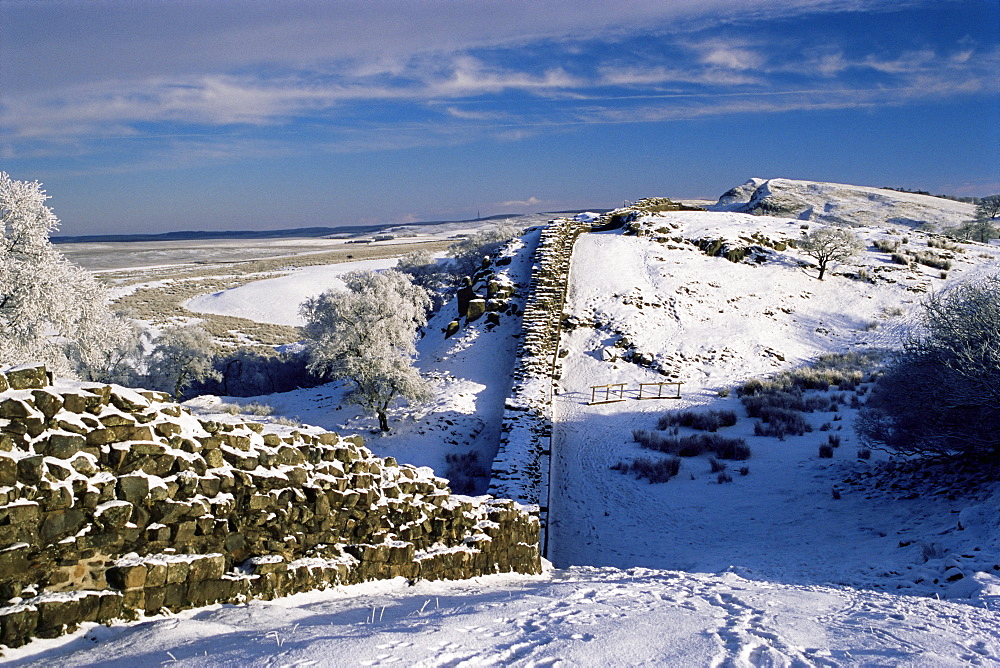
{"points": [[114, 514], [27, 377], [133, 488], [15, 409], [48, 402], [132, 576], [156, 574], [29, 469], [61, 523], [177, 572], [477, 307], [116, 420], [208, 567], [17, 627], [8, 471], [64, 446]]}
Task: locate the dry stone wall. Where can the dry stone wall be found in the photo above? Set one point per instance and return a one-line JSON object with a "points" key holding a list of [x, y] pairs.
{"points": [[116, 502], [520, 470]]}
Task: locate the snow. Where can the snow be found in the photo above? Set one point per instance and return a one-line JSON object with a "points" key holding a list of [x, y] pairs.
{"points": [[579, 616], [770, 569], [846, 204], [276, 300]]}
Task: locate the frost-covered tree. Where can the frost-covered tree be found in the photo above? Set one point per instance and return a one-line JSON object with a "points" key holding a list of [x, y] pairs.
{"points": [[428, 273], [941, 395], [183, 356], [468, 253], [51, 310], [830, 244], [366, 335], [984, 227]]}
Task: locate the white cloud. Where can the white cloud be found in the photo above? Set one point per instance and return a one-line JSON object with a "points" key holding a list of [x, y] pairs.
{"points": [[531, 201]]}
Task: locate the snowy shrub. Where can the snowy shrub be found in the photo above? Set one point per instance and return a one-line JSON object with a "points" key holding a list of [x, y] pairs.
{"points": [[424, 269], [696, 444], [744, 470], [732, 448], [833, 440], [931, 260], [465, 473], [716, 465], [724, 392], [825, 451], [885, 245], [724, 477], [287, 421], [900, 258], [864, 453], [780, 422], [710, 420], [655, 470], [941, 394]]}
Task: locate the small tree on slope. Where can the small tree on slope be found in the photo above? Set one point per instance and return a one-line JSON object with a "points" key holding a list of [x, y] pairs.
{"points": [[831, 244], [51, 310], [366, 335], [183, 356], [941, 396]]}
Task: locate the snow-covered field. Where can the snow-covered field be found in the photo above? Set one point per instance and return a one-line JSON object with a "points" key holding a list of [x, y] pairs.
{"points": [[768, 570], [277, 300]]}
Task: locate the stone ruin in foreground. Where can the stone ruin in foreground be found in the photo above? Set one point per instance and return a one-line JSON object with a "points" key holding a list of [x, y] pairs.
{"points": [[115, 502]]}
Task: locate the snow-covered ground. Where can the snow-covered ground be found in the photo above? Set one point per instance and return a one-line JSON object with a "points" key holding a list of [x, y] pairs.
{"points": [[575, 617], [769, 570]]}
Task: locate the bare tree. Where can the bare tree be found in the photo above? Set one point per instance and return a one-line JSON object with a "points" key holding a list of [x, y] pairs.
{"points": [[366, 335], [941, 395], [830, 244]]}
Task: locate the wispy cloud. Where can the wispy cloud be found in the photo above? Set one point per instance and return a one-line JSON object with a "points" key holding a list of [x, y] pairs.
{"points": [[531, 201], [524, 80]]}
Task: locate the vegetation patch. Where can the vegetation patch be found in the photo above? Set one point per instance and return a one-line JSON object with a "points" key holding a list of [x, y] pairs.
{"points": [[694, 445], [710, 420], [654, 470]]}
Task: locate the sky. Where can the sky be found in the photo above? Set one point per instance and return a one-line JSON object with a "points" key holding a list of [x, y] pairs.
{"points": [[165, 115]]}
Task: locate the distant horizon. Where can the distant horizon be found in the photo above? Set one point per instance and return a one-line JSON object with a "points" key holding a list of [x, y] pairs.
{"points": [[144, 118]]}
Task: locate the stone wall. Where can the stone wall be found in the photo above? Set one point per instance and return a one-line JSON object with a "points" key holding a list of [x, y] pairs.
{"points": [[520, 470], [115, 502]]}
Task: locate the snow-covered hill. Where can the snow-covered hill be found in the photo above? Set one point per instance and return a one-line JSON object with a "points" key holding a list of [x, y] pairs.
{"points": [[843, 204], [653, 306]]}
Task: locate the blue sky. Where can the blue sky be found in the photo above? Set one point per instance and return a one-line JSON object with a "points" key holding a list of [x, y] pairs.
{"points": [[168, 115]]}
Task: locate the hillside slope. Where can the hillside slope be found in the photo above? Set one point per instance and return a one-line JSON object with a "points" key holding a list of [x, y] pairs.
{"points": [[652, 306], [843, 204]]}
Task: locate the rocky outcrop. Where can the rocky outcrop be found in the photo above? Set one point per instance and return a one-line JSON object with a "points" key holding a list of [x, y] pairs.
{"points": [[115, 501]]}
